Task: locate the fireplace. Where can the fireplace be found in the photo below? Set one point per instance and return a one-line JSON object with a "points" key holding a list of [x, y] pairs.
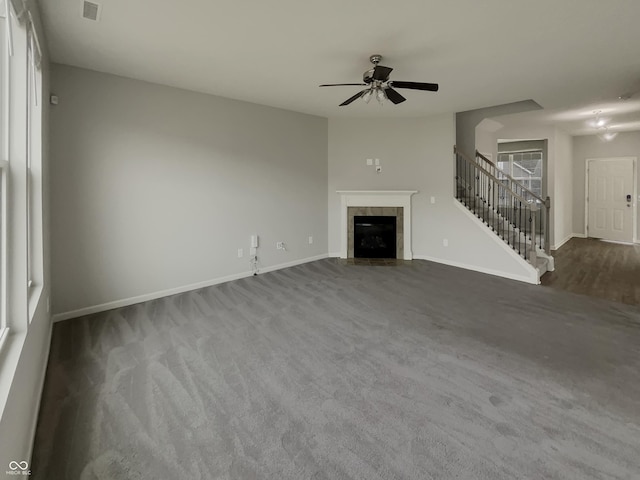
{"points": [[374, 237], [376, 203], [383, 226]]}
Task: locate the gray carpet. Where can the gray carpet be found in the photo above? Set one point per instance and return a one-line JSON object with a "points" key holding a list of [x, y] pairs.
{"points": [[334, 371]]}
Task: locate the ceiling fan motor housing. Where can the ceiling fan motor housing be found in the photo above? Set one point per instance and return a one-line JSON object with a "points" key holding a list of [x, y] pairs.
{"points": [[367, 77]]}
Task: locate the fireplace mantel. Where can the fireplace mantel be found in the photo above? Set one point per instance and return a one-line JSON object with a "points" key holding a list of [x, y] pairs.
{"points": [[376, 198]]}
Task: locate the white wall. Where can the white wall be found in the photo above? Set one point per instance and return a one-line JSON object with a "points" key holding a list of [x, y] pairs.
{"points": [[155, 188], [563, 188], [30, 347], [416, 154], [625, 144]]}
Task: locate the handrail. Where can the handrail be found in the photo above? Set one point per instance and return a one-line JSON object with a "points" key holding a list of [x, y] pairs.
{"points": [[478, 154], [495, 179], [487, 188]]}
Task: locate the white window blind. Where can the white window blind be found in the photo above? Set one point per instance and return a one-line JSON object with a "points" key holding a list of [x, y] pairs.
{"points": [[23, 16]]}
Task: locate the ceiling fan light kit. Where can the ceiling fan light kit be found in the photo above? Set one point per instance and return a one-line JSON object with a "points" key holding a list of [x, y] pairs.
{"points": [[378, 84], [602, 127]]}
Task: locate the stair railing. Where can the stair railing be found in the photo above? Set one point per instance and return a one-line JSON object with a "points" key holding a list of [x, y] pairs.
{"points": [[493, 199], [523, 191]]}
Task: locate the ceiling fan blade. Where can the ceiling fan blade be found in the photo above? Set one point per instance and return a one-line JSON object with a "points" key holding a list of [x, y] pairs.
{"points": [[381, 73], [394, 96], [354, 98], [431, 87], [343, 85]]}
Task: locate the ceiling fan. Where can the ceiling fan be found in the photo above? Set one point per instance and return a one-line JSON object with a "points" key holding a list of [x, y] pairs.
{"points": [[378, 84]]}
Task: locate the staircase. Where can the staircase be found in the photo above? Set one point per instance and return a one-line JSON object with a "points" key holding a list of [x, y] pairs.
{"points": [[506, 206]]}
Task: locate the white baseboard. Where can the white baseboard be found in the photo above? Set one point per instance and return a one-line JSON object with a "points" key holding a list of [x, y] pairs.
{"points": [[579, 235], [334, 255], [565, 240], [498, 273], [58, 317]]}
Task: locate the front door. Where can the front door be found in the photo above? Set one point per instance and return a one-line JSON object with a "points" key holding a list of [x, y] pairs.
{"points": [[610, 199]]}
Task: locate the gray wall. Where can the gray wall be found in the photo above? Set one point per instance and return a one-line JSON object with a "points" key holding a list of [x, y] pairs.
{"points": [[416, 154], [155, 188], [466, 122], [563, 188], [626, 144]]}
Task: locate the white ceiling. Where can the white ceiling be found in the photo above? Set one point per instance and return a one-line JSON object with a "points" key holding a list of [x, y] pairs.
{"points": [[570, 56]]}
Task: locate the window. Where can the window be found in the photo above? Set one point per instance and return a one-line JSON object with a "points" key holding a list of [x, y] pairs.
{"points": [[525, 167], [34, 171], [21, 232]]}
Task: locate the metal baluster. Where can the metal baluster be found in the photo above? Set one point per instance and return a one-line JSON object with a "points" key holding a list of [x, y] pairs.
{"points": [[493, 207], [526, 209], [499, 209], [467, 168], [484, 195], [510, 242], [477, 192], [542, 221], [509, 220], [519, 226], [510, 210], [514, 208], [458, 176], [479, 196], [466, 187]]}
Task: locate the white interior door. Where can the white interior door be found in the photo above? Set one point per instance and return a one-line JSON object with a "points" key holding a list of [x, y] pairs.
{"points": [[610, 199]]}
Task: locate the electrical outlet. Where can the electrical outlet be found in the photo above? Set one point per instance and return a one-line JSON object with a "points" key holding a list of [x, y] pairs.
{"points": [[310, 240], [369, 162], [279, 245], [433, 200], [240, 253], [377, 162], [445, 242], [378, 169]]}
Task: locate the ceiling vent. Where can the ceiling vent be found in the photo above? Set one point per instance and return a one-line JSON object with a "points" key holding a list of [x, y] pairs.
{"points": [[91, 10]]}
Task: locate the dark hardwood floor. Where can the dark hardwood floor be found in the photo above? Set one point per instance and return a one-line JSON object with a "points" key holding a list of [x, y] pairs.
{"points": [[598, 269]]}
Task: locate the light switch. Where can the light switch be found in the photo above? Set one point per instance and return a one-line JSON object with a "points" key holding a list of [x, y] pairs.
{"points": [[433, 199], [377, 161], [369, 162]]}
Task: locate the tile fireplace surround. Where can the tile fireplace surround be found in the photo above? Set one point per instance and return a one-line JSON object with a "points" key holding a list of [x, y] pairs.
{"points": [[376, 198]]}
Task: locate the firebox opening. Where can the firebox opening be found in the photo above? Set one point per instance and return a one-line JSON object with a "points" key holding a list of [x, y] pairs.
{"points": [[374, 237]]}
